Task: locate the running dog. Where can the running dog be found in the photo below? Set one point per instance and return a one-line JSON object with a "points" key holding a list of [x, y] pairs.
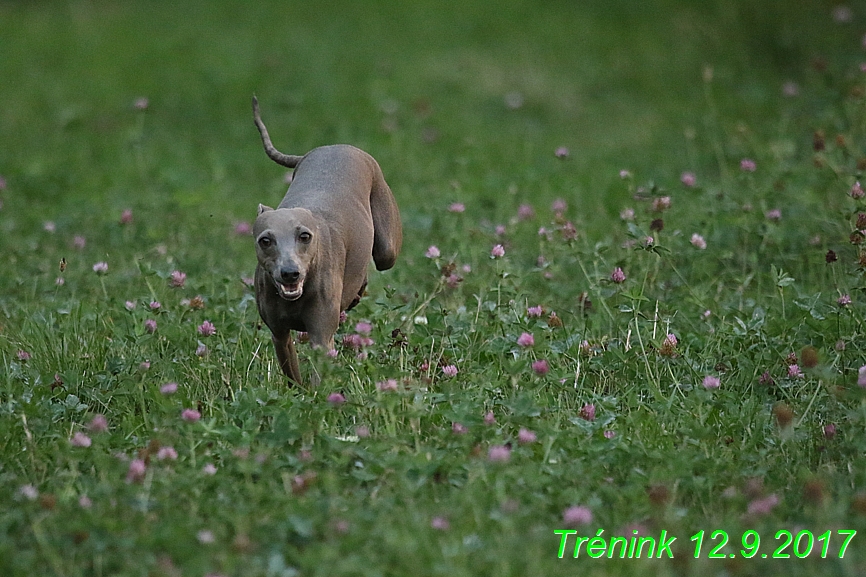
{"points": [[314, 248]]}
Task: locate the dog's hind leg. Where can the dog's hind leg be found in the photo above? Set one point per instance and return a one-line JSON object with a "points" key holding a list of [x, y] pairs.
{"points": [[387, 229], [288, 357]]}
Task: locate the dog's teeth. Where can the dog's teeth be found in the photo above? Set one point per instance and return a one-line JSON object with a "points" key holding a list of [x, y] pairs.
{"points": [[289, 291]]}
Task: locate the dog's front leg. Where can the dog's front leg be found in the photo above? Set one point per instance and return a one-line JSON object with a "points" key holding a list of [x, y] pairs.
{"points": [[284, 346], [322, 325]]}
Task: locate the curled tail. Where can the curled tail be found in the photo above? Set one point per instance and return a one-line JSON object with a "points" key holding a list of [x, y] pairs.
{"points": [[287, 160]]}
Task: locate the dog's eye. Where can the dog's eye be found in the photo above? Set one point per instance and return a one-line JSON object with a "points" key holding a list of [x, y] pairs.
{"points": [[265, 242], [305, 237]]}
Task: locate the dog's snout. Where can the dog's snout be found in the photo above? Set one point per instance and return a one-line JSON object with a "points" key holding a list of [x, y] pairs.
{"points": [[290, 275]]}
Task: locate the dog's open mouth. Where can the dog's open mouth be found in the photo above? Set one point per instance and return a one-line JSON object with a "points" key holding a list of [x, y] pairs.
{"points": [[291, 291]]}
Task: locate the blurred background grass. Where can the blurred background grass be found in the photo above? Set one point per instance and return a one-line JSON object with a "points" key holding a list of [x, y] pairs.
{"points": [[421, 85]]}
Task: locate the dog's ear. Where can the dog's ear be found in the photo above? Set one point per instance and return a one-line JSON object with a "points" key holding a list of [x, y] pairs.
{"points": [[263, 208]]}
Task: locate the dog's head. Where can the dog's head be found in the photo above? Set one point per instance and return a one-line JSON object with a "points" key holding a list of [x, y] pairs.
{"points": [[286, 244]]}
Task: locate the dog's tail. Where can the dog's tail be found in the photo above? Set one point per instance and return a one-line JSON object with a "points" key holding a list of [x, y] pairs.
{"points": [[287, 160]]}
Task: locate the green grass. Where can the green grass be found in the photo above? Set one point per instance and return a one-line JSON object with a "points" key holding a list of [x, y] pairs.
{"points": [[656, 88]]}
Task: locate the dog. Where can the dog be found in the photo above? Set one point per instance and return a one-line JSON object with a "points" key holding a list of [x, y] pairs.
{"points": [[314, 248]]}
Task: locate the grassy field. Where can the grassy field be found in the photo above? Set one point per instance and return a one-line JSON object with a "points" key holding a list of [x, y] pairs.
{"points": [[630, 300]]}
